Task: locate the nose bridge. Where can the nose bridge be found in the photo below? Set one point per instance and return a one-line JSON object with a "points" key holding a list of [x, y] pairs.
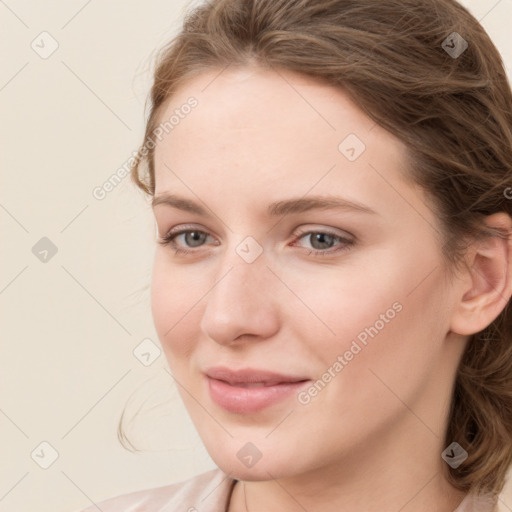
{"points": [[242, 272], [241, 299]]}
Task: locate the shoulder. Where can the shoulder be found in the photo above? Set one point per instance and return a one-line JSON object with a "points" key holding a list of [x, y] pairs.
{"points": [[207, 491]]}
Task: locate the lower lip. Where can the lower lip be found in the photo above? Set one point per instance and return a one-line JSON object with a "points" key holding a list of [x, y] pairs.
{"points": [[239, 399]]}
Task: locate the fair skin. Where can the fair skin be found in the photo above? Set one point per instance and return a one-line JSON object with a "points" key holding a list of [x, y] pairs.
{"points": [[371, 440]]}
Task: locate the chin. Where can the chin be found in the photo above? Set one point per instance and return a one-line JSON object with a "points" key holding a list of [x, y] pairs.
{"points": [[236, 462], [259, 472]]}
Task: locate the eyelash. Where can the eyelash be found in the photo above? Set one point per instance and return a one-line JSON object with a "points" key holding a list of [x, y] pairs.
{"points": [[168, 240]]}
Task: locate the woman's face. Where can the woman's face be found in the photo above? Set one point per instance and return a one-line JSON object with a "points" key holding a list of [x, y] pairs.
{"points": [[349, 301]]}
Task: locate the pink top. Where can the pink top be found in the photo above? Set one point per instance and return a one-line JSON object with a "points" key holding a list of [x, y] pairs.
{"points": [[211, 492]]}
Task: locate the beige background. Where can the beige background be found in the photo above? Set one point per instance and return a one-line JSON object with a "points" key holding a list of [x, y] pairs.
{"points": [[71, 324]]}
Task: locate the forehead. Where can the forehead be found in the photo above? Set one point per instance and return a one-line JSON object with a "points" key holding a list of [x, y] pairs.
{"points": [[258, 104], [273, 130]]}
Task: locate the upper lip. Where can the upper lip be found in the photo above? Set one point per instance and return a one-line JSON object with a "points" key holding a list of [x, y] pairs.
{"points": [[250, 375]]}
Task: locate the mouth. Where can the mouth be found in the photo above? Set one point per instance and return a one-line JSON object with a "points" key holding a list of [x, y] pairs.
{"points": [[248, 390]]}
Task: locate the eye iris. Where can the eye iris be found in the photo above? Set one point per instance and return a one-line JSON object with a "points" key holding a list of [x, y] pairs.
{"points": [[194, 236], [320, 237]]}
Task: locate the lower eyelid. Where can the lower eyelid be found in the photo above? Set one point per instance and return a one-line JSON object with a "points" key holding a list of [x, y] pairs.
{"points": [[330, 251]]}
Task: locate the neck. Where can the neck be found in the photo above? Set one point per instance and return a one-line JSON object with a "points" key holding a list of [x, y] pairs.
{"points": [[373, 478], [433, 494]]}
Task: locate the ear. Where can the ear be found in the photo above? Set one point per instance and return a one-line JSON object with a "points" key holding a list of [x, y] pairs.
{"points": [[486, 285]]}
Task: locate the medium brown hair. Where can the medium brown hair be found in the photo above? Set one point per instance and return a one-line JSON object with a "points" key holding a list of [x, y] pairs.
{"points": [[454, 114]]}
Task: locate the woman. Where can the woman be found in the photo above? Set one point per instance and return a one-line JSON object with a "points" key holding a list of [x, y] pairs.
{"points": [[330, 182]]}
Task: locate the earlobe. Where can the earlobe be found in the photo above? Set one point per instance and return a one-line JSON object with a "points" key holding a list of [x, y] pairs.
{"points": [[487, 283]]}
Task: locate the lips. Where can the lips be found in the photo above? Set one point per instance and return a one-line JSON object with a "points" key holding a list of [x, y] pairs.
{"points": [[250, 390]]}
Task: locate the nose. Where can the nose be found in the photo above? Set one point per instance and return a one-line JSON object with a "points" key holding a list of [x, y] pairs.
{"points": [[242, 303]]}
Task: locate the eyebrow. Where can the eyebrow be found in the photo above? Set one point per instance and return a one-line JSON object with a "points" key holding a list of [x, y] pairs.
{"points": [[279, 208]]}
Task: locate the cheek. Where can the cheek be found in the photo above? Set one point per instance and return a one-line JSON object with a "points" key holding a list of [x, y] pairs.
{"points": [[334, 306], [174, 300], [400, 358], [388, 317]]}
